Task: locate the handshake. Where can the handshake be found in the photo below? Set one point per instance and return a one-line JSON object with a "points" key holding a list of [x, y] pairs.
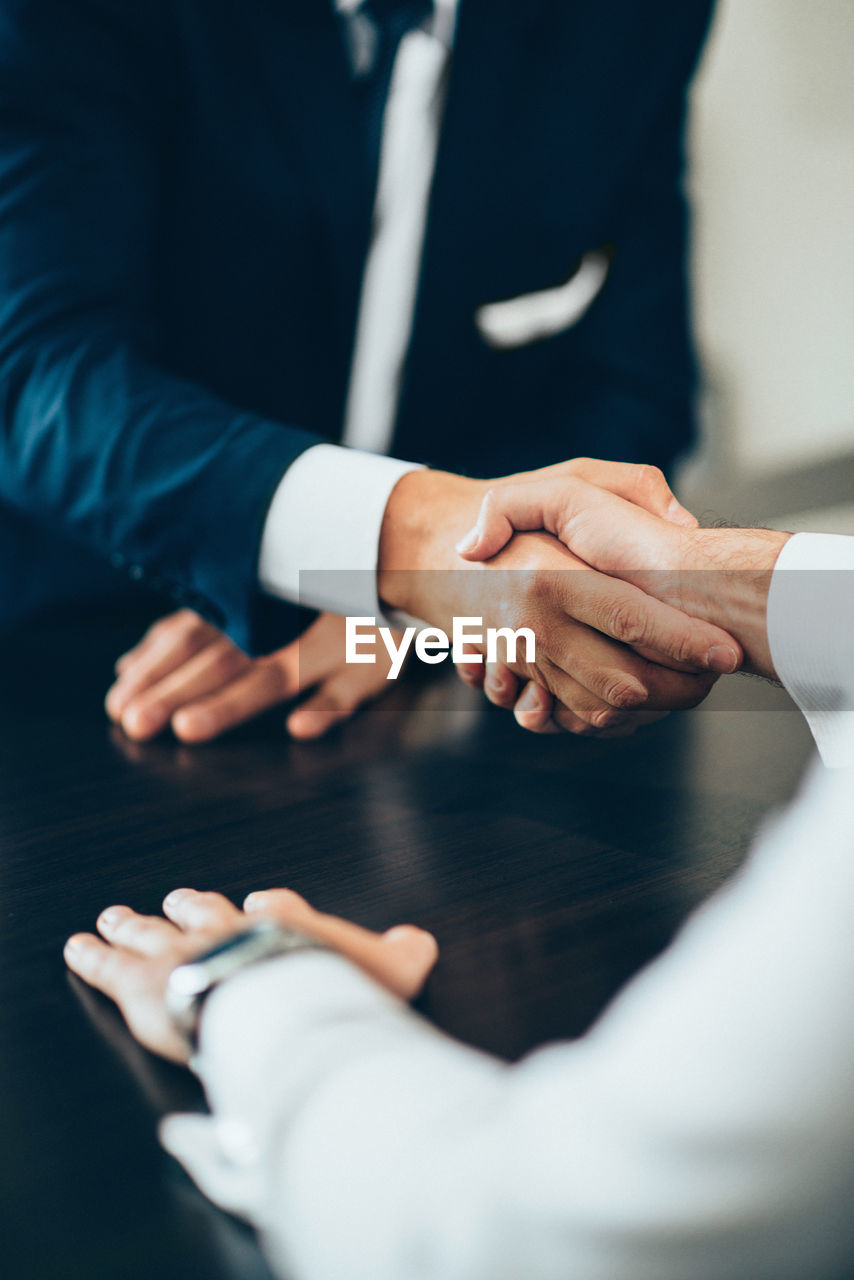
{"points": [[635, 609]]}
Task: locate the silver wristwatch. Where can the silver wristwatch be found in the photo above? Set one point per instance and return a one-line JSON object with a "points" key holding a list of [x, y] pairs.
{"points": [[190, 984]]}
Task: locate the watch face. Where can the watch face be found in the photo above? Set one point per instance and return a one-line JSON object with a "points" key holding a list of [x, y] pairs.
{"points": [[190, 983], [264, 938], [239, 940]]}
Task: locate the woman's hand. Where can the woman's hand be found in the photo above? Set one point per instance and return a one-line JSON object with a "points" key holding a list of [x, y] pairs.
{"points": [[132, 959], [187, 674]]}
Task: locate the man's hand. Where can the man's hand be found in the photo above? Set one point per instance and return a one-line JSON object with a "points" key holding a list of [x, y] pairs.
{"points": [[187, 674], [610, 654], [721, 575], [134, 956]]}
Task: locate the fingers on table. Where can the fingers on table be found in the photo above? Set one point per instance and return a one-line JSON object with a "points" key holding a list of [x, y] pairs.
{"points": [[201, 912], [163, 649], [127, 937], [337, 699], [144, 935], [401, 958], [264, 684], [207, 672], [95, 962]]}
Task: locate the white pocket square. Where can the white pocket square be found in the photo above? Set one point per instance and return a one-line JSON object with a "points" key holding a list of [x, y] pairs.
{"points": [[532, 316]]}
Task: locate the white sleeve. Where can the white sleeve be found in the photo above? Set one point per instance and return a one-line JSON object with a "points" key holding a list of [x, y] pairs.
{"points": [[704, 1128], [810, 623], [321, 537]]}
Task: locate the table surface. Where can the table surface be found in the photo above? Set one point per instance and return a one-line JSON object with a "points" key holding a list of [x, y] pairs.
{"points": [[549, 868]]}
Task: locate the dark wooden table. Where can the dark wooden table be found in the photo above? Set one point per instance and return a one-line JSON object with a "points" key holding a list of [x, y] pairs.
{"points": [[549, 868]]}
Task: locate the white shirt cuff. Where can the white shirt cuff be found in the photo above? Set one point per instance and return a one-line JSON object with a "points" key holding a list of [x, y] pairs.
{"points": [[810, 623], [304, 1024], [321, 538], [226, 1153]]}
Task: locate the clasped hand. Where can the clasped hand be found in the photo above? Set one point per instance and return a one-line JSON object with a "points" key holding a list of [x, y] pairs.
{"points": [[610, 655]]}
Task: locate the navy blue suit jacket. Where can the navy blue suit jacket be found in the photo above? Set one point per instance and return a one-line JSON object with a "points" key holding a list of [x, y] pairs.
{"points": [[185, 204]]}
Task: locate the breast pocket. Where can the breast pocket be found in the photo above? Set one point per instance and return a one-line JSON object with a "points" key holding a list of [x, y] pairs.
{"points": [[517, 322]]}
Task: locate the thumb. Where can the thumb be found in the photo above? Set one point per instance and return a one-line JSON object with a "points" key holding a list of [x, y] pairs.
{"points": [[544, 499], [411, 954], [507, 508]]}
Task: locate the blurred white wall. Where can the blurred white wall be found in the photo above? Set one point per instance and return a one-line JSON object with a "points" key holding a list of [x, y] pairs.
{"points": [[772, 182]]}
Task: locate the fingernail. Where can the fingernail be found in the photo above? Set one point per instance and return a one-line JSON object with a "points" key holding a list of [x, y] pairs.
{"points": [[177, 895], [73, 944], [196, 724], [530, 700], [109, 916], [254, 901], [496, 686], [306, 724], [469, 542], [721, 658], [416, 939], [142, 721], [114, 703]]}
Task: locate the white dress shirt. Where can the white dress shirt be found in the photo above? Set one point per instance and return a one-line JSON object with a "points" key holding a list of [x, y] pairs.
{"points": [[327, 511], [702, 1130]]}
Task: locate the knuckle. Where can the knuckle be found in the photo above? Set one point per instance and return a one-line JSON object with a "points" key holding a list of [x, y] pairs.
{"points": [[274, 674], [226, 659], [194, 630], [287, 898], [624, 621], [141, 703], [579, 469], [136, 927], [176, 626], [208, 900], [649, 479], [535, 590], [618, 692], [683, 646], [490, 500], [169, 623]]}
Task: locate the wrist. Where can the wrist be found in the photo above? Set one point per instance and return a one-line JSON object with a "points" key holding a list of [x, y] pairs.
{"points": [[733, 587], [426, 515]]}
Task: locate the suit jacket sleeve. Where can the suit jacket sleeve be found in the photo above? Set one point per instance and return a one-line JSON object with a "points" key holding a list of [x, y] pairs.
{"points": [[98, 438]]}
